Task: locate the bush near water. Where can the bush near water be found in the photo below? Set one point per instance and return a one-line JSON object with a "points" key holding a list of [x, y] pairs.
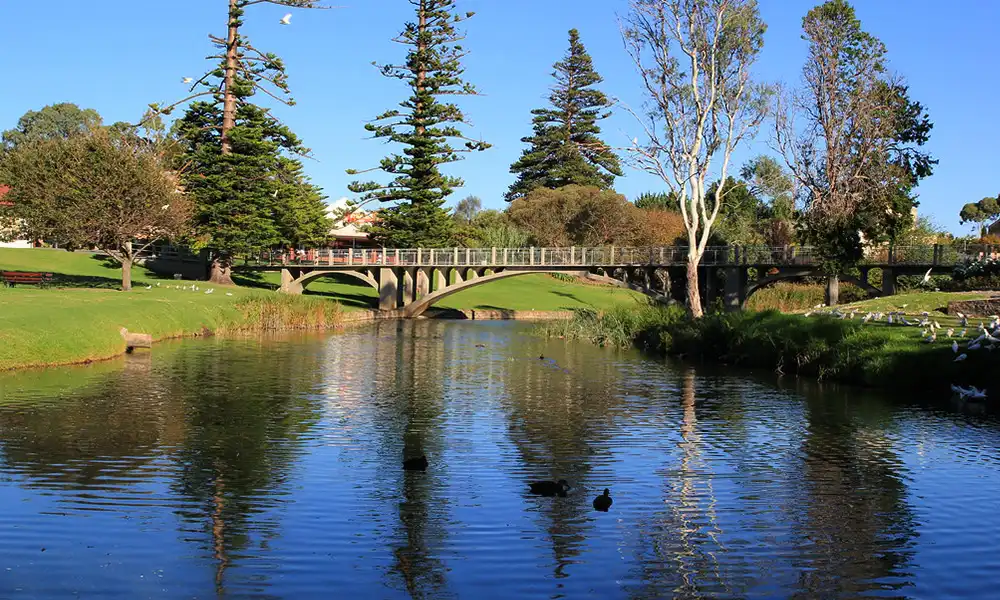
{"points": [[822, 346]]}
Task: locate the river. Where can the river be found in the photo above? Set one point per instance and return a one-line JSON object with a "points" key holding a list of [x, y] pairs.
{"points": [[272, 468]]}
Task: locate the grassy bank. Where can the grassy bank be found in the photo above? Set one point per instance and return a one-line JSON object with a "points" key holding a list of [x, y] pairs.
{"points": [[60, 326], [873, 354]]}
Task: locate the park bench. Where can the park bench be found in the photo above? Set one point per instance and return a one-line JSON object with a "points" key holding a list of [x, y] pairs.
{"points": [[12, 278]]}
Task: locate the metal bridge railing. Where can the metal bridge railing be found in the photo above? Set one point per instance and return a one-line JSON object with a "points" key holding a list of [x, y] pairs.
{"points": [[609, 256]]}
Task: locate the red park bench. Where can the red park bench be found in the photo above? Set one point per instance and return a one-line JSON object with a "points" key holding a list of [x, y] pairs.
{"points": [[12, 278]]}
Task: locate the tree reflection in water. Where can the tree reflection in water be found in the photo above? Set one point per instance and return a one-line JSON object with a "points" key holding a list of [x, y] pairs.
{"points": [[408, 397], [558, 420], [241, 441]]}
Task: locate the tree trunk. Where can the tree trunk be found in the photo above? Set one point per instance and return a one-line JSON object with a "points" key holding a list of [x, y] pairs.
{"points": [[693, 291], [221, 271], [228, 99], [126, 260], [126, 275]]}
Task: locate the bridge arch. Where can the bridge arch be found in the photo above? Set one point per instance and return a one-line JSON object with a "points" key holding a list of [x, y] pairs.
{"points": [[305, 279], [417, 308], [764, 282]]}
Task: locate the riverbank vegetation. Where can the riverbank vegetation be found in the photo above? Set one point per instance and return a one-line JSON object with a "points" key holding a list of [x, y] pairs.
{"points": [[822, 346]]}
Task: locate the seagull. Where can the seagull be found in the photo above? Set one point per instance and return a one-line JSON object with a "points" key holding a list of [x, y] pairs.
{"points": [[186, 80], [635, 141], [927, 276], [165, 207], [954, 348], [961, 357], [229, 293], [287, 19], [149, 287]]}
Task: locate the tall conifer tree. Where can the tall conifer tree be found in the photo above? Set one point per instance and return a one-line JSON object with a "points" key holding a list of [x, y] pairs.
{"points": [[433, 69], [565, 148], [253, 198]]}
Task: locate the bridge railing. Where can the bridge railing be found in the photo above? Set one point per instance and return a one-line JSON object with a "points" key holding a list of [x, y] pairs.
{"points": [[608, 256]]}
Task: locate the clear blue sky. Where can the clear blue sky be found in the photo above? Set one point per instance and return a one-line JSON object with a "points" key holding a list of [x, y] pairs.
{"points": [[116, 56]]}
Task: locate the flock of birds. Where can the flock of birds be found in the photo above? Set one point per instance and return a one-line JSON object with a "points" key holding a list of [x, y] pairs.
{"points": [[540, 488], [285, 20], [962, 343], [192, 287]]}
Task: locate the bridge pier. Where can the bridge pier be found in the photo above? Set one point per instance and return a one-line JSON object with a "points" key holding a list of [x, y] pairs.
{"points": [[734, 289], [440, 279], [832, 290], [388, 289], [408, 288], [888, 282], [423, 283], [456, 274]]}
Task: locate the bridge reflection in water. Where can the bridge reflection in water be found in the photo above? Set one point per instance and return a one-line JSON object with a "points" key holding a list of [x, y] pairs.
{"points": [[412, 280]]}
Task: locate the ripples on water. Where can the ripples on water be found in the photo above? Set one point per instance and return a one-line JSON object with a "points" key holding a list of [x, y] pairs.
{"points": [[272, 468]]}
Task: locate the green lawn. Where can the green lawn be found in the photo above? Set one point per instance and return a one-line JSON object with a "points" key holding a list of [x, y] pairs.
{"points": [[915, 303]]}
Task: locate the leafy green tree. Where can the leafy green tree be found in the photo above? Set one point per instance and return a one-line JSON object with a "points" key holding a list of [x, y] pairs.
{"points": [[658, 201], [252, 198], [96, 189], [741, 220], [576, 215], [54, 122], [468, 208], [565, 148], [981, 213], [433, 69], [859, 156]]}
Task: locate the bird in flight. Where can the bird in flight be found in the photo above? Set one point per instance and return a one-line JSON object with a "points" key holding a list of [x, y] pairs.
{"points": [[187, 80], [287, 19]]}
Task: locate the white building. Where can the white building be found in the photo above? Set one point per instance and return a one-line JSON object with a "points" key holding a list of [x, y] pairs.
{"points": [[347, 231]]}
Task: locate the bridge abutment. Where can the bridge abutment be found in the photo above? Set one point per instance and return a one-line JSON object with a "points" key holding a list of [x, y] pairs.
{"points": [[289, 285]]}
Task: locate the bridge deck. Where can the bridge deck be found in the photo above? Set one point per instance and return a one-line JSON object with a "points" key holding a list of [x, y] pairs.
{"points": [[665, 256]]}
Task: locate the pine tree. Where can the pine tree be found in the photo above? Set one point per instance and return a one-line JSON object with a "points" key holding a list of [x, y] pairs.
{"points": [[252, 198], [565, 148], [433, 68], [236, 151], [242, 70]]}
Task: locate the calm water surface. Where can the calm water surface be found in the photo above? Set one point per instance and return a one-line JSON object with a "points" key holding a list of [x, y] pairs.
{"points": [[272, 469]]}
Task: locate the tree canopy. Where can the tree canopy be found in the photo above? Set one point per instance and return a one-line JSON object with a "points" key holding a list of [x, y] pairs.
{"points": [[96, 189], [53, 122], [981, 213], [858, 156], [565, 148]]}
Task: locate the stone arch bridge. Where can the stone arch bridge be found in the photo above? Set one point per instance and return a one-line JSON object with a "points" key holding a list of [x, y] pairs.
{"points": [[412, 280]]}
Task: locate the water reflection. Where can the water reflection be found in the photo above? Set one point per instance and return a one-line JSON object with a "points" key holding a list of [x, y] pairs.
{"points": [[273, 467]]}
